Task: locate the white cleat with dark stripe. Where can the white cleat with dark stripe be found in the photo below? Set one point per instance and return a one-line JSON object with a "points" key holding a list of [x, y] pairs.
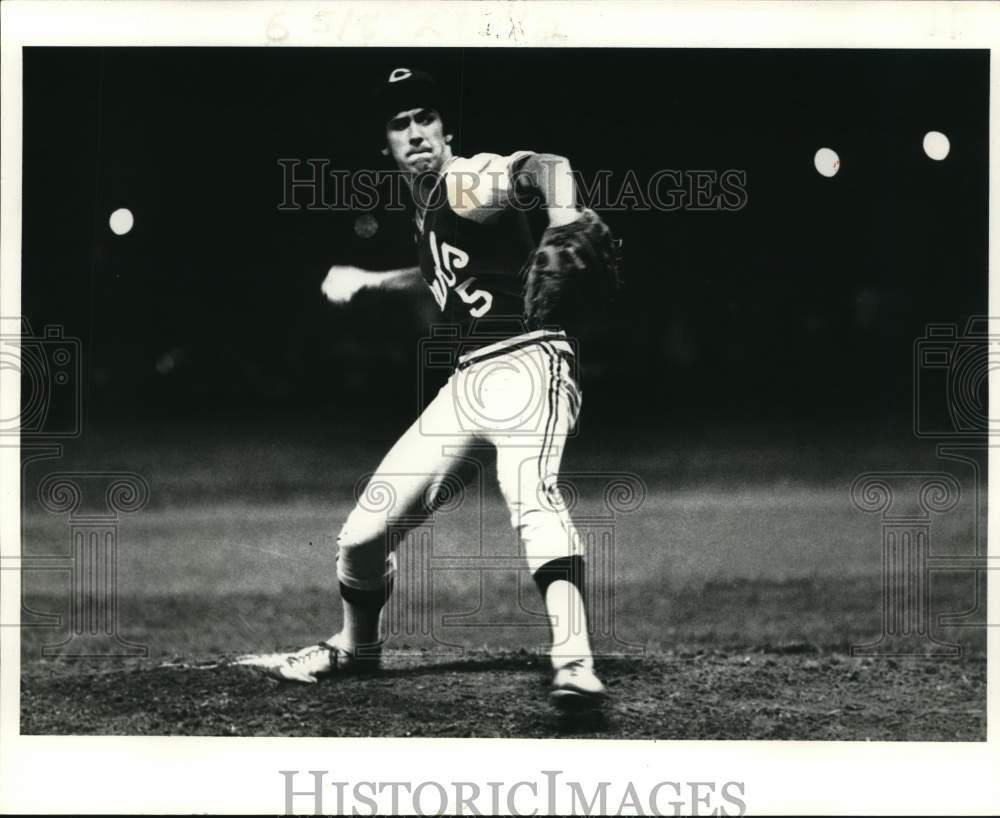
{"points": [[576, 687], [315, 662]]}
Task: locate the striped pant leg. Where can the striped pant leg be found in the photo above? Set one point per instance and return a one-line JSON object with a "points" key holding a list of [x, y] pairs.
{"points": [[528, 469]]}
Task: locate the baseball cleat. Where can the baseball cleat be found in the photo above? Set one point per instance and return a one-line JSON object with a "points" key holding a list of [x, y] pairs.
{"points": [[315, 662], [575, 687]]}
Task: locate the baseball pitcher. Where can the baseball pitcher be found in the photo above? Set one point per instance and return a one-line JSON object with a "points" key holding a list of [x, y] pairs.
{"points": [[512, 387]]}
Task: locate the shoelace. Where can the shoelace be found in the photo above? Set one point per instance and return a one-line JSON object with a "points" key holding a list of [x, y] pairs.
{"points": [[302, 657]]}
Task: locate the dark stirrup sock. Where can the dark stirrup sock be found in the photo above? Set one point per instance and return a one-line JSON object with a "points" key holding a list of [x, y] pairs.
{"points": [[370, 602], [570, 569]]}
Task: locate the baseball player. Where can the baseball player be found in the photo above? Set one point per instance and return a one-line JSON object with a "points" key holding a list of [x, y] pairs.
{"points": [[513, 385]]}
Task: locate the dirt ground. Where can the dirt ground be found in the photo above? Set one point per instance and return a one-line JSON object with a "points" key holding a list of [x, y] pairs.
{"points": [[727, 607], [706, 689], [706, 696]]}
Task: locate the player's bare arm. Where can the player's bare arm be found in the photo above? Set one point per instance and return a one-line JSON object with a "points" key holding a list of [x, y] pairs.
{"points": [[481, 186], [343, 281], [552, 177]]}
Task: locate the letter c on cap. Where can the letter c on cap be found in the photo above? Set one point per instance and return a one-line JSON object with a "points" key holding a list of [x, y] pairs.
{"points": [[400, 74]]}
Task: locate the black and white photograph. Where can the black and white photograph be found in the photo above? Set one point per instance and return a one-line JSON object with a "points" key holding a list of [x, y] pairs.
{"points": [[532, 388]]}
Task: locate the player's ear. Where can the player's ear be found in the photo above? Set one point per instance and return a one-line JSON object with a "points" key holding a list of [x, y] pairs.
{"points": [[385, 151], [447, 137]]}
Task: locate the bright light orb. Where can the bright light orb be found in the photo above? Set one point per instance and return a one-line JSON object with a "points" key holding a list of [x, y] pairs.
{"points": [[827, 162], [936, 145], [121, 221]]}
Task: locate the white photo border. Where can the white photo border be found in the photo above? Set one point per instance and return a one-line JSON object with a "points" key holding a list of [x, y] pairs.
{"points": [[231, 775]]}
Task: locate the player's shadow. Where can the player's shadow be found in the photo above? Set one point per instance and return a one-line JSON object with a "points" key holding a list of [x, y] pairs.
{"points": [[466, 664], [579, 722], [418, 664], [559, 723]]}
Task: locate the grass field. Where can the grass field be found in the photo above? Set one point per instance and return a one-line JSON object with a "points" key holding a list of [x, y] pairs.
{"points": [[739, 586]]}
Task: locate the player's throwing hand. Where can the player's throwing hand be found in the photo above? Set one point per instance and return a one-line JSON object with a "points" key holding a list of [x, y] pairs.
{"points": [[343, 282]]}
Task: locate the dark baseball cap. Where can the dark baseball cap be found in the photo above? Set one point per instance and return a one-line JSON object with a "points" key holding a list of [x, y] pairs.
{"points": [[404, 89]]}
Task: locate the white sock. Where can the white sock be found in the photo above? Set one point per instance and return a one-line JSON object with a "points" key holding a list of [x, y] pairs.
{"points": [[568, 618]]}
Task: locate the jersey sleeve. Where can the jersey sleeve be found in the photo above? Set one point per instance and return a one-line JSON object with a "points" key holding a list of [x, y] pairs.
{"points": [[480, 186]]}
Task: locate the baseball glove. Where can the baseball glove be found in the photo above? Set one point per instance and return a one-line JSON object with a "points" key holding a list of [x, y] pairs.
{"points": [[572, 276]]}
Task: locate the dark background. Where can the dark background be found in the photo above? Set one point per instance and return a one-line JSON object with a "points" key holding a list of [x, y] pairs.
{"points": [[758, 362], [804, 305]]}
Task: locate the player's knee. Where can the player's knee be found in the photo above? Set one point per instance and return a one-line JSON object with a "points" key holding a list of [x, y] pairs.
{"points": [[545, 535], [363, 557], [362, 527]]}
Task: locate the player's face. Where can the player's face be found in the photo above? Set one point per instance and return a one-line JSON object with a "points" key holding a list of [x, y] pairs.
{"points": [[417, 140]]}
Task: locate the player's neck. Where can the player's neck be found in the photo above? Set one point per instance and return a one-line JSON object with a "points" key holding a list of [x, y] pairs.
{"points": [[447, 157]]}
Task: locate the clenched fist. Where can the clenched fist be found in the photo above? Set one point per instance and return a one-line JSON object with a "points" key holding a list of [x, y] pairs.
{"points": [[342, 283]]}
